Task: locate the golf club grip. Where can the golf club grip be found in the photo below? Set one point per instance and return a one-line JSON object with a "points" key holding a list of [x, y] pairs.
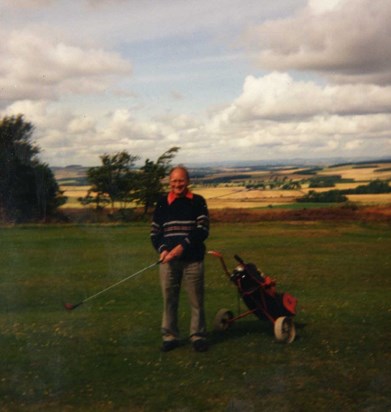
{"points": [[239, 259]]}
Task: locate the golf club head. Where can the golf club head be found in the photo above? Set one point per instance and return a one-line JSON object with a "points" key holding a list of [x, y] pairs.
{"points": [[70, 306], [215, 253]]}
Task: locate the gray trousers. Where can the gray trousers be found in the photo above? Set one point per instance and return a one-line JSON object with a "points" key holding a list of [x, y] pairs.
{"points": [[172, 275]]}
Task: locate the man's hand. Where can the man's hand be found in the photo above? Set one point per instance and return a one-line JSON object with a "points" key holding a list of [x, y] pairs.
{"points": [[163, 256], [166, 256]]}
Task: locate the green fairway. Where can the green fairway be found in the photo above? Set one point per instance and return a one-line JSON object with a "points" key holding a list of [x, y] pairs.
{"points": [[104, 356]]}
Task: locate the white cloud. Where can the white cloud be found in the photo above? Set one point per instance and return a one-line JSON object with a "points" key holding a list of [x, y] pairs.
{"points": [[347, 42], [276, 114], [29, 4], [323, 6], [279, 97], [81, 125], [124, 128], [34, 67], [68, 69], [41, 114]]}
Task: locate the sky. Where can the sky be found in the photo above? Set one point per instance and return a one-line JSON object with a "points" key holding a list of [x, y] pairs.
{"points": [[224, 80]]}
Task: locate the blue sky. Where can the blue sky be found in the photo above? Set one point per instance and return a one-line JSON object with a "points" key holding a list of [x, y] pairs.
{"points": [[224, 80]]}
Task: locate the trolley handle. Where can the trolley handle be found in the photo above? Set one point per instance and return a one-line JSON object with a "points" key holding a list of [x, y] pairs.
{"points": [[239, 259]]}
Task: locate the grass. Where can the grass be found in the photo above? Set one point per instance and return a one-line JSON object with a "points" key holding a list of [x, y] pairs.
{"points": [[104, 356]]}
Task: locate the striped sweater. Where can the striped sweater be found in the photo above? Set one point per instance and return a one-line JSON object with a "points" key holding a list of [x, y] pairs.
{"points": [[185, 221]]}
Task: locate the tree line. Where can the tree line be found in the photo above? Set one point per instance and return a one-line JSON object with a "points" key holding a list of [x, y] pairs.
{"points": [[338, 196], [30, 192], [117, 181]]}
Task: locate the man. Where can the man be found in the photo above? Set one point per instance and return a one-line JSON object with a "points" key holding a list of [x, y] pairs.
{"points": [[179, 228]]}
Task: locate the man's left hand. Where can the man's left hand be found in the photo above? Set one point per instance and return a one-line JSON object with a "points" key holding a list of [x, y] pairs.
{"points": [[174, 253]]}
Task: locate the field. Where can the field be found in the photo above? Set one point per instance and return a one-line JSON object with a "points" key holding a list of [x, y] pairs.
{"points": [[226, 188], [104, 356]]}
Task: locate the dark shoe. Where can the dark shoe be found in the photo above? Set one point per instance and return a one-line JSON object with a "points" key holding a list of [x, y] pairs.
{"points": [[200, 345], [169, 345]]}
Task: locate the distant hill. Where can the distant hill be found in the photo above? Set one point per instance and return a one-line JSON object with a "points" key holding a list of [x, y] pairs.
{"points": [[225, 172], [72, 175], [294, 162]]}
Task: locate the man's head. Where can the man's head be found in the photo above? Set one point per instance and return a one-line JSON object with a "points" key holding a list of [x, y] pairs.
{"points": [[179, 180]]}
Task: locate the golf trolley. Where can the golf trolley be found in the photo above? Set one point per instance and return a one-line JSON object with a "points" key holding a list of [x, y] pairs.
{"points": [[260, 296]]}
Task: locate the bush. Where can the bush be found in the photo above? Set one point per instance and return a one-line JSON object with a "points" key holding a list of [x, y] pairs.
{"points": [[375, 187], [331, 196], [324, 181]]}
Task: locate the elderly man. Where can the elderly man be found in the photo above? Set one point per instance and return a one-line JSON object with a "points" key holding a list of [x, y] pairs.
{"points": [[179, 228]]}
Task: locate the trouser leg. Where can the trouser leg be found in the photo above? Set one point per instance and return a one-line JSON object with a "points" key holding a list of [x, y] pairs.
{"points": [[193, 277], [170, 280]]}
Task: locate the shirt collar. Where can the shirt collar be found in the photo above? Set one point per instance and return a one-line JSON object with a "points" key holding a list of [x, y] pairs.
{"points": [[172, 196]]}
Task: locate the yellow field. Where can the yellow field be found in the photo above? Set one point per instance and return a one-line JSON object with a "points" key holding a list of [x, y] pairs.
{"points": [[361, 174], [236, 196], [239, 197], [217, 197], [73, 193], [381, 199]]}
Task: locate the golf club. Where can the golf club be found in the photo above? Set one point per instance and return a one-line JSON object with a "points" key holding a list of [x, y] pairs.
{"points": [[71, 306]]}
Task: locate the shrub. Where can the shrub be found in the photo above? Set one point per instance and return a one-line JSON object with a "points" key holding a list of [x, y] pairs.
{"points": [[331, 196]]}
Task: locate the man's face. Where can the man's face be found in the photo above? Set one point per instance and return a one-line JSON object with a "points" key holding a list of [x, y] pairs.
{"points": [[179, 182]]}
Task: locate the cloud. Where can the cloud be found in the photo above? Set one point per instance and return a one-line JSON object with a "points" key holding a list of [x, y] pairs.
{"points": [[278, 97], [68, 69], [41, 114], [29, 4], [322, 6], [348, 41], [37, 67], [278, 115], [250, 128]]}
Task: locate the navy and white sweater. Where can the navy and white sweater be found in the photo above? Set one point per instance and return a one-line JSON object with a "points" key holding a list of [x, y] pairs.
{"points": [[185, 221]]}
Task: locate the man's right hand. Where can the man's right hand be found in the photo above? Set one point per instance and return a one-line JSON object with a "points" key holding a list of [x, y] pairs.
{"points": [[163, 256]]}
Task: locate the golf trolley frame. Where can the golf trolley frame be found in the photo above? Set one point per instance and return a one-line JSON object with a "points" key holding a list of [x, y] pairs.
{"points": [[259, 294]]}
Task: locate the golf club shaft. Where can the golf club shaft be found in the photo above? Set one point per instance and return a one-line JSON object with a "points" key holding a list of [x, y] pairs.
{"points": [[119, 282]]}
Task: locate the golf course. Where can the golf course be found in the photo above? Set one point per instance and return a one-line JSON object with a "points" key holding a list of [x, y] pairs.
{"points": [[195, 206], [104, 355]]}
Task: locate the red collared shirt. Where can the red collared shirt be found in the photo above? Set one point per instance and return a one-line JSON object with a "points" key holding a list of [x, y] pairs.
{"points": [[172, 196]]}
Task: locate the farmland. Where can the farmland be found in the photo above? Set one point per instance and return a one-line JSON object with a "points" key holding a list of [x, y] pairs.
{"points": [[252, 188]]}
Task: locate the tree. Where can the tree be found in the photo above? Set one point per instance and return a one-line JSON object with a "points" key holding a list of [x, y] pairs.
{"points": [[28, 189], [374, 187], [291, 185], [331, 196], [324, 181], [151, 178], [114, 181]]}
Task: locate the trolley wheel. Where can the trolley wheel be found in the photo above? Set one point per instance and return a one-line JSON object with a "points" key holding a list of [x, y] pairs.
{"points": [[222, 320], [284, 329]]}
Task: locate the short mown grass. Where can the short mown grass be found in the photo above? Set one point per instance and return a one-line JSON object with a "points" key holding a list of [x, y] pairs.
{"points": [[104, 356]]}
